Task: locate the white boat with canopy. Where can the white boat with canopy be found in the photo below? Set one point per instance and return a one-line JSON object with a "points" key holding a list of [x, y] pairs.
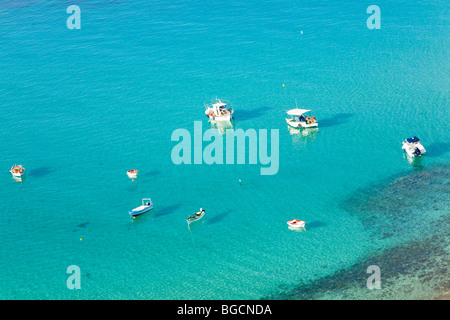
{"points": [[218, 111], [298, 120]]}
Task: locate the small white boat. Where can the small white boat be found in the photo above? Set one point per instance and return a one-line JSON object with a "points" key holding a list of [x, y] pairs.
{"points": [[413, 147], [296, 223], [196, 216], [146, 206], [17, 171], [132, 173], [298, 120], [218, 111]]}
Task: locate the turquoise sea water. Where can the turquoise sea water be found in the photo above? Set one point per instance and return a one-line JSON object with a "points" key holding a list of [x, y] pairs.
{"points": [[80, 107]]}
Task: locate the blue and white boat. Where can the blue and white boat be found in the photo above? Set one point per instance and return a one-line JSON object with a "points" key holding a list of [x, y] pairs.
{"points": [[413, 147], [146, 206]]}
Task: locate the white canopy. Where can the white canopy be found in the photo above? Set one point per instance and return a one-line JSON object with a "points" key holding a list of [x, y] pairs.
{"points": [[219, 104], [297, 112]]}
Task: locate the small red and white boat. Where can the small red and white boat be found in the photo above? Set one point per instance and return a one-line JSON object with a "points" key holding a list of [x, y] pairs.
{"points": [[132, 173], [296, 223], [17, 171]]}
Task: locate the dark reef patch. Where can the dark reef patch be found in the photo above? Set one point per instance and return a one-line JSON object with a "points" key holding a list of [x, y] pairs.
{"points": [[392, 207], [413, 210], [426, 260]]}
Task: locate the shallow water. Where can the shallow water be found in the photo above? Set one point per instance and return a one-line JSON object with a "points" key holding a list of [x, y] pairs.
{"points": [[409, 215], [81, 107]]}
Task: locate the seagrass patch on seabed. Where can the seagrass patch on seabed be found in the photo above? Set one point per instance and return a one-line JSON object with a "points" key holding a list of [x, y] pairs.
{"points": [[415, 268], [395, 206]]}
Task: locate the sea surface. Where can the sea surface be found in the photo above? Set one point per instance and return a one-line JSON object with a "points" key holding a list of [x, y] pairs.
{"points": [[78, 108]]}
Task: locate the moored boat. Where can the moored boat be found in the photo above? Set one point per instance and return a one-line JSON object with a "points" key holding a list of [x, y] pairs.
{"points": [[298, 119], [146, 206], [132, 173], [413, 147], [196, 216], [218, 111], [17, 171], [296, 223]]}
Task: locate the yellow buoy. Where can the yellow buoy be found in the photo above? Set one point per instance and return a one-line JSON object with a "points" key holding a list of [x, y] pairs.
{"points": [[283, 84], [81, 239]]}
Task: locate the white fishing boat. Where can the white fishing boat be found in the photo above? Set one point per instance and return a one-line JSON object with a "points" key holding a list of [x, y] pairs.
{"points": [[299, 120], [17, 171], [413, 147], [132, 173], [218, 111], [296, 223], [196, 216], [146, 206]]}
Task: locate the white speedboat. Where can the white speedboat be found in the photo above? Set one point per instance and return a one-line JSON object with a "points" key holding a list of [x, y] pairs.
{"points": [[132, 173], [298, 119], [146, 206], [17, 171], [218, 111], [296, 223], [413, 147]]}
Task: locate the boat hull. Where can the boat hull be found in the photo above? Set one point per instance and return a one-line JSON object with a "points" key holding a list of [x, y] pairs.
{"points": [[295, 223], [225, 117], [190, 219], [17, 175], [132, 173], [301, 124]]}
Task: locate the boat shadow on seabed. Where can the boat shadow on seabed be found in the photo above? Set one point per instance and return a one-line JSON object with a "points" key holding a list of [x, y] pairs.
{"points": [[335, 120]]}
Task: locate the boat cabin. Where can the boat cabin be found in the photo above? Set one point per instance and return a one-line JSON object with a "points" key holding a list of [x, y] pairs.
{"points": [[219, 108]]}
